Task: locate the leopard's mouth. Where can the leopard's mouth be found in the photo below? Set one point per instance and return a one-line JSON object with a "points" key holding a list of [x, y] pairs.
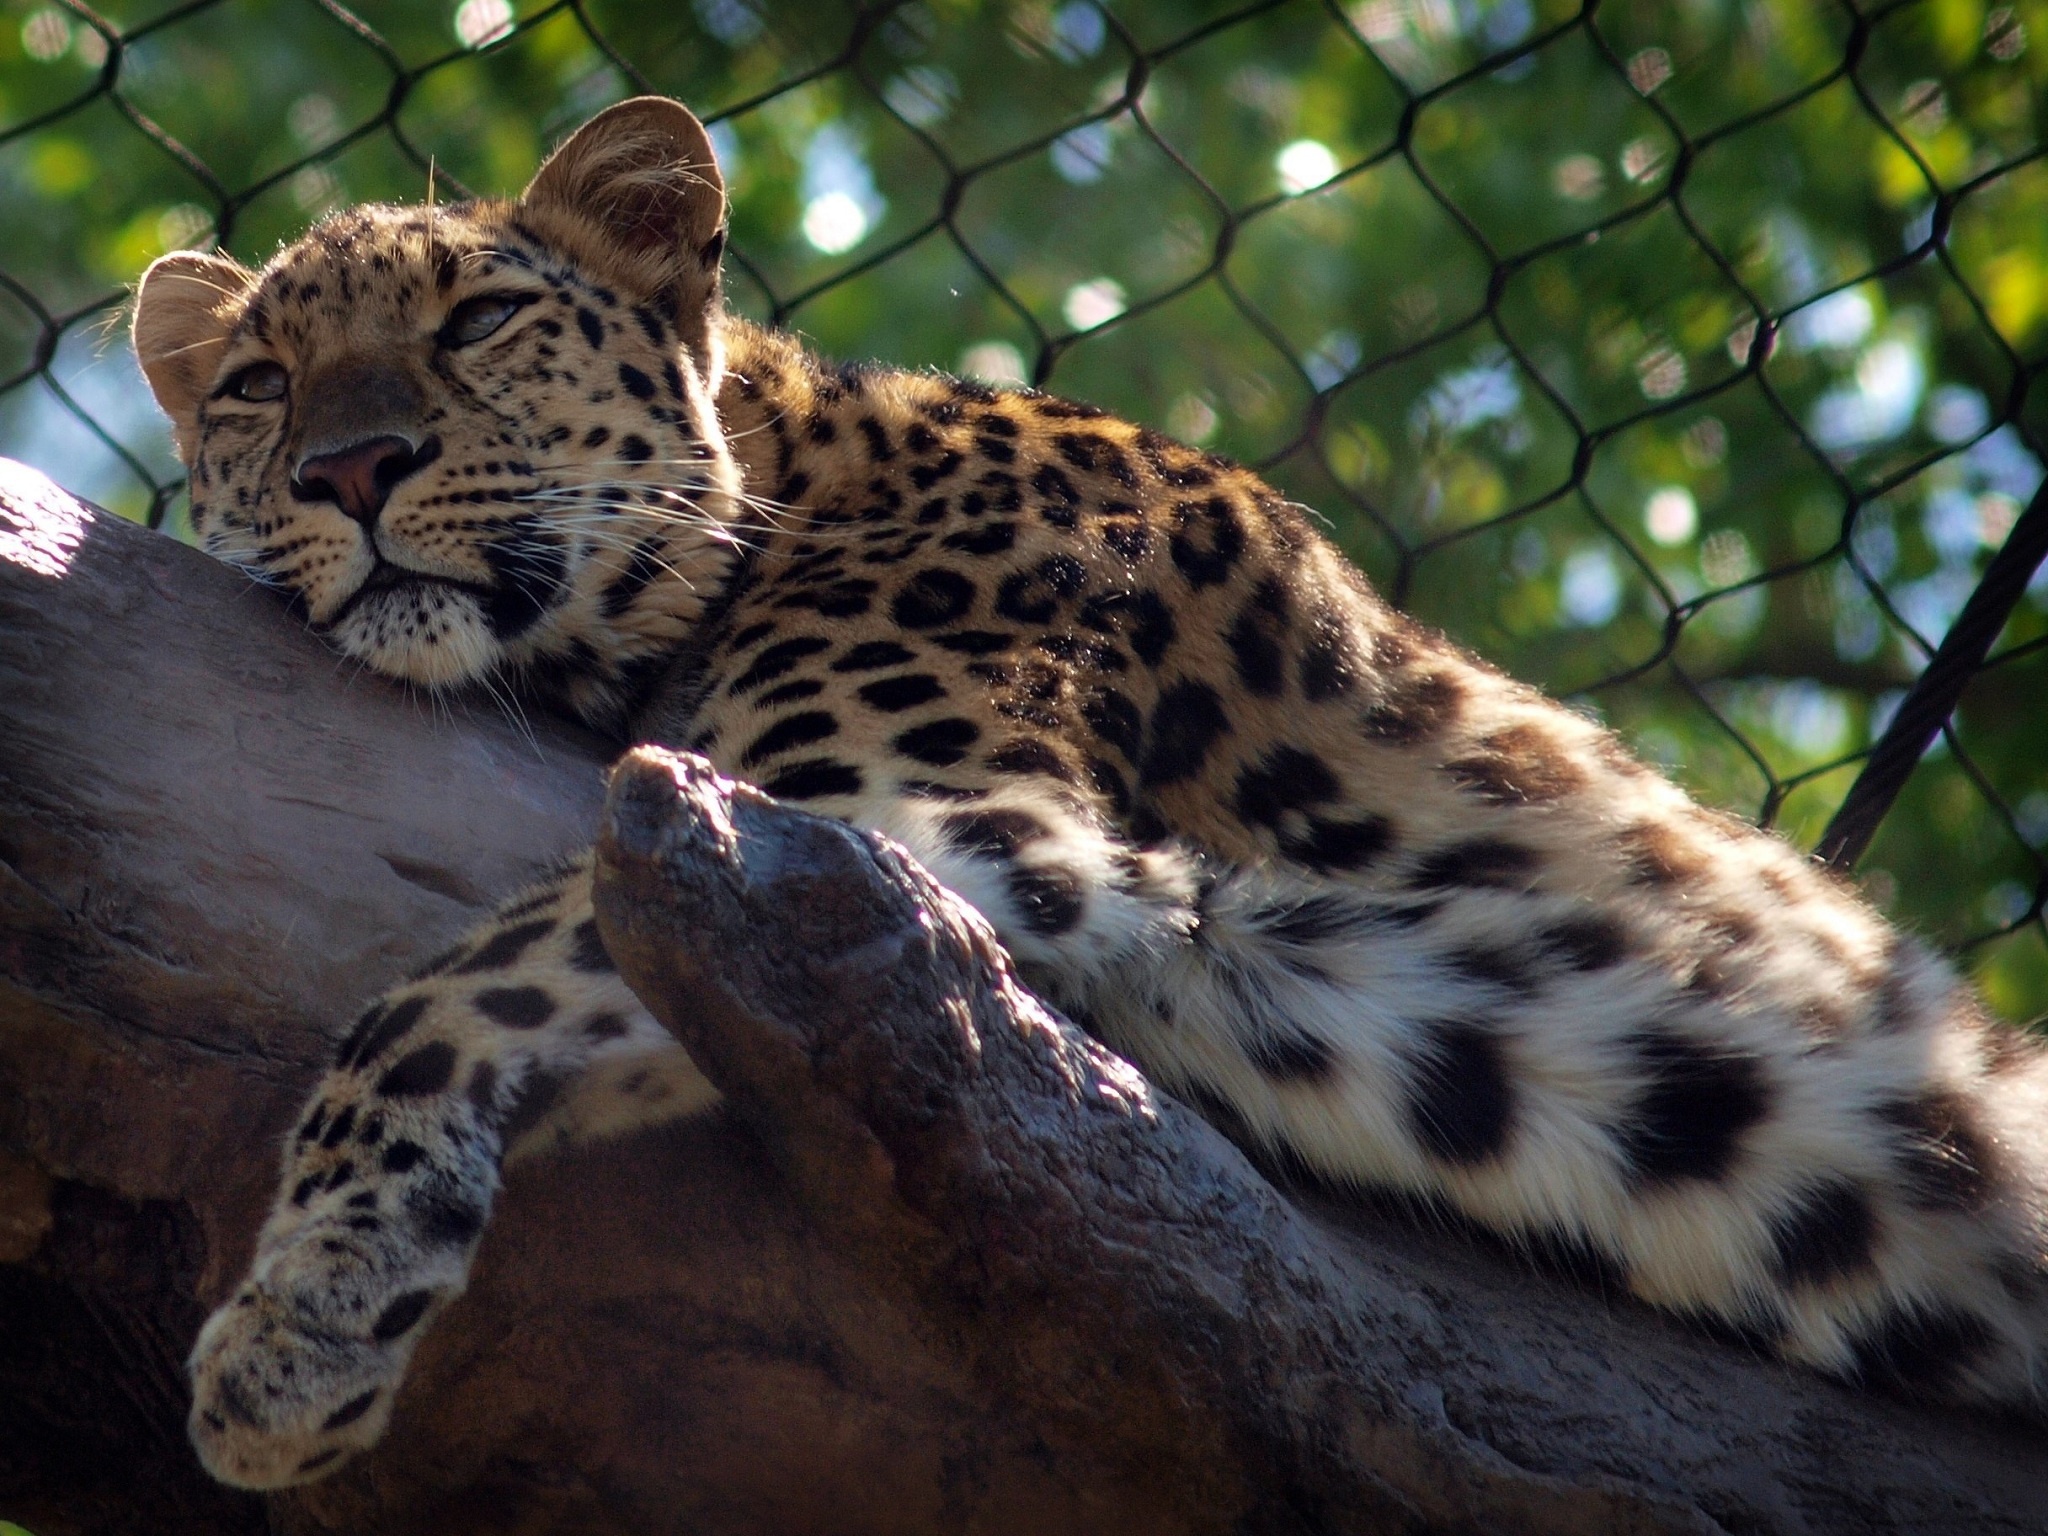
{"points": [[388, 576]]}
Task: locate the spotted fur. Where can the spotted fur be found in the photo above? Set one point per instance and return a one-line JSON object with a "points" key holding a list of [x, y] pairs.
{"points": [[1400, 919]]}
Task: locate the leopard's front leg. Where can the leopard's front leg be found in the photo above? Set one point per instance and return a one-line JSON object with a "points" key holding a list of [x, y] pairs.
{"points": [[389, 1177]]}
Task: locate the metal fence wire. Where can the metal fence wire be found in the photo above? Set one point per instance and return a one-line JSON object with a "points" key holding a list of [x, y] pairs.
{"points": [[1682, 358]]}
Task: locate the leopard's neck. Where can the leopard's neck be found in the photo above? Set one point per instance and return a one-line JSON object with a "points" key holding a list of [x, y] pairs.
{"points": [[813, 439]]}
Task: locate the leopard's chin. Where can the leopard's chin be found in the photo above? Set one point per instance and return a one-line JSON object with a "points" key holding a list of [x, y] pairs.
{"points": [[428, 632]]}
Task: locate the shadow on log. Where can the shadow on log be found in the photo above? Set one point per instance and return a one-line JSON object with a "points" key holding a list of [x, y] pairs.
{"points": [[939, 1264]]}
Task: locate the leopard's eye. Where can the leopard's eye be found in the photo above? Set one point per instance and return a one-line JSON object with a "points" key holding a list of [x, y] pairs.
{"points": [[258, 382], [474, 319]]}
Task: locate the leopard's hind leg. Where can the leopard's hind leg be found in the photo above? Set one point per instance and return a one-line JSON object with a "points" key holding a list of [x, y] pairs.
{"points": [[389, 1178]]}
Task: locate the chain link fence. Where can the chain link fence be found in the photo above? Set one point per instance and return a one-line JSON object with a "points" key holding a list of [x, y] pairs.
{"points": [[1683, 359]]}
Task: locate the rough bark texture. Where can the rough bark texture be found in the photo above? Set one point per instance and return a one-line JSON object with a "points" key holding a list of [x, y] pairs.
{"points": [[941, 1264]]}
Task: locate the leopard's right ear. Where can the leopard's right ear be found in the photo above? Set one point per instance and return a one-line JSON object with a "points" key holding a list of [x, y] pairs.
{"points": [[186, 305], [644, 170], [638, 187]]}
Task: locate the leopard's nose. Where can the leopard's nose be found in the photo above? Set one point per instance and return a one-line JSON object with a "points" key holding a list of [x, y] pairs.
{"points": [[359, 478]]}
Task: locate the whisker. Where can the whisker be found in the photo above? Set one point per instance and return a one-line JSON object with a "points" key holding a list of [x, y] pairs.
{"points": [[561, 484], [564, 508], [592, 503], [222, 290], [193, 346], [601, 526], [507, 698], [601, 537], [739, 535], [570, 491], [481, 252], [635, 464], [249, 565], [636, 549], [103, 329]]}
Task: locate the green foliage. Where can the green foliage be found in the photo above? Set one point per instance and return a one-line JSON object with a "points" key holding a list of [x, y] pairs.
{"points": [[1479, 280]]}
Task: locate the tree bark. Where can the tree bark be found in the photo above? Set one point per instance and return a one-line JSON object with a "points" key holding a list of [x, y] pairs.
{"points": [[940, 1263]]}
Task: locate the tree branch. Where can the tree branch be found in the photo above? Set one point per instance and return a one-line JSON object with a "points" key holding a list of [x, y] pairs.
{"points": [[940, 1264]]}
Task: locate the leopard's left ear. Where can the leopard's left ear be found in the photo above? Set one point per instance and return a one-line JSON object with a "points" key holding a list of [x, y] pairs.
{"points": [[185, 306], [642, 176]]}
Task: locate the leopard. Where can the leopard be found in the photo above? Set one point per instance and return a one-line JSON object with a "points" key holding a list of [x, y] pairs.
{"points": [[1383, 913]]}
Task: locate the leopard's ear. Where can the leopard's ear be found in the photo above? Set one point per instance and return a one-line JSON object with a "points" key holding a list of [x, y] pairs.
{"points": [[185, 307], [643, 174]]}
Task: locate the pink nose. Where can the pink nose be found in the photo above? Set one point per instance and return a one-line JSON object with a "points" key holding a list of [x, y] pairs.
{"points": [[359, 478]]}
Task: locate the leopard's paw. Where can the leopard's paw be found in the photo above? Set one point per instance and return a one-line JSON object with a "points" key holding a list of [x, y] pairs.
{"points": [[297, 1373]]}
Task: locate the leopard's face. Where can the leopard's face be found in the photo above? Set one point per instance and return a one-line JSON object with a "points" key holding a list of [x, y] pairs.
{"points": [[452, 447], [463, 440]]}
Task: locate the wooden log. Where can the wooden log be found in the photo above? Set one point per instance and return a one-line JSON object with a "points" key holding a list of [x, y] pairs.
{"points": [[214, 841], [939, 1264]]}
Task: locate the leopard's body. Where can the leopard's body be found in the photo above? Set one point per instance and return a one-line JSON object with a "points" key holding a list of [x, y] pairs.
{"points": [[1395, 916]]}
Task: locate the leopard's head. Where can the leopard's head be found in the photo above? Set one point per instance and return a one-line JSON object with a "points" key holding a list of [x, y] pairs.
{"points": [[474, 438]]}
